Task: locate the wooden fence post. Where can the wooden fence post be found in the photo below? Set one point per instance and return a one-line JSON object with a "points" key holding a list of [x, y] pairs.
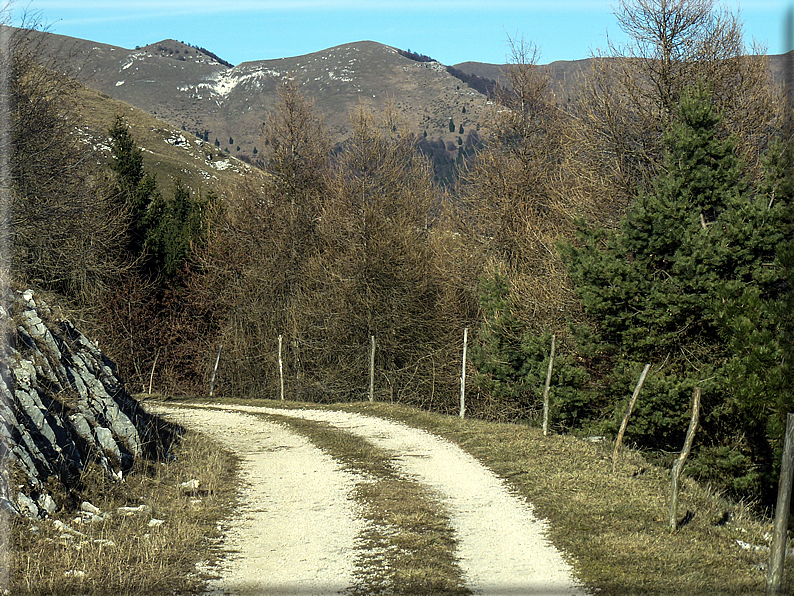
{"points": [[463, 374], [626, 417], [372, 369], [777, 554], [151, 375], [546, 389], [280, 367], [214, 371], [679, 464]]}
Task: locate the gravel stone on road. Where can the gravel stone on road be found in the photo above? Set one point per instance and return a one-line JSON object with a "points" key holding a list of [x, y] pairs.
{"points": [[502, 547]]}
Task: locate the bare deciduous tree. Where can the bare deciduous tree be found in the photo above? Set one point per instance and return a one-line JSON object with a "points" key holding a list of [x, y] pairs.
{"points": [[297, 157], [515, 190], [298, 149], [253, 269], [631, 92], [374, 275], [65, 227]]}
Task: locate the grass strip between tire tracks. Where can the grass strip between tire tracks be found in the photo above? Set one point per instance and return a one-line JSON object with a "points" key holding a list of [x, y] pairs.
{"points": [[408, 547]]}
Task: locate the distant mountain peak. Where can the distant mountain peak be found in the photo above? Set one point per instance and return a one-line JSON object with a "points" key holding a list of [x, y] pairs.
{"points": [[179, 50]]}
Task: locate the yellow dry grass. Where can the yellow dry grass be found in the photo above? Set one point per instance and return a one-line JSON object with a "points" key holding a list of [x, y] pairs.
{"points": [[125, 555]]}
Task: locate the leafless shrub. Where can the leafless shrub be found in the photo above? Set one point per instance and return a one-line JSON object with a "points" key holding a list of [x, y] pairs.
{"points": [[64, 225]]}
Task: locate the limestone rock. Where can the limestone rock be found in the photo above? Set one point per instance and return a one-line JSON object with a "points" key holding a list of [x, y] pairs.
{"points": [[62, 405], [139, 510], [47, 504], [27, 506]]}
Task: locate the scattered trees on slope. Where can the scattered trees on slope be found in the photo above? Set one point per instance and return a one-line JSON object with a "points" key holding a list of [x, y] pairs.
{"points": [[160, 232]]}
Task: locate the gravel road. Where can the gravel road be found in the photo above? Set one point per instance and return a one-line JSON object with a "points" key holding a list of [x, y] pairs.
{"points": [[297, 531]]}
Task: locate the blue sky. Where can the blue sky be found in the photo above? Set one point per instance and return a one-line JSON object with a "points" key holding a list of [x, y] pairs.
{"points": [[451, 31]]}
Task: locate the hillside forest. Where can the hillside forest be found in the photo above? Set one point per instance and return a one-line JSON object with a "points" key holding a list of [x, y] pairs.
{"points": [[650, 221]]}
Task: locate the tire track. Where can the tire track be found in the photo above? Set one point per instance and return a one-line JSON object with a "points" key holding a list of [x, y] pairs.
{"points": [[502, 547], [297, 527]]}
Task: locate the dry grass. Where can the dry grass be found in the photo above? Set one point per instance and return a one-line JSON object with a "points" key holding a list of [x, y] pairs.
{"points": [[124, 555]]}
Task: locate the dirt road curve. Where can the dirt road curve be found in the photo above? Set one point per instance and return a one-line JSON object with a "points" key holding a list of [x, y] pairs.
{"points": [[297, 531]]}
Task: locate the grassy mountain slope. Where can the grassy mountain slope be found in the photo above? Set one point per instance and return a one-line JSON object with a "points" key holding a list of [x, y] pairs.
{"points": [[168, 151], [198, 94]]}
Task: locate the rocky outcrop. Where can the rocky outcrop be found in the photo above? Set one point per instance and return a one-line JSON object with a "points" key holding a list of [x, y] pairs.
{"points": [[62, 405]]}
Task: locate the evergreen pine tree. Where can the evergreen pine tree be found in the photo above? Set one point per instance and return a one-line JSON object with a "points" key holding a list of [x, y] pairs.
{"points": [[173, 226], [126, 157], [649, 285], [755, 313], [683, 284], [512, 363], [497, 352], [780, 188], [138, 188]]}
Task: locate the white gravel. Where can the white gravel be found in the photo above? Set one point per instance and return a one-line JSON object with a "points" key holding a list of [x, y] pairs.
{"points": [[502, 548], [296, 527]]}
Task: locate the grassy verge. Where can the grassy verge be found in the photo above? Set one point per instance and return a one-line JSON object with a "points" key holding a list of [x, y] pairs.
{"points": [[614, 527], [124, 554], [408, 546]]}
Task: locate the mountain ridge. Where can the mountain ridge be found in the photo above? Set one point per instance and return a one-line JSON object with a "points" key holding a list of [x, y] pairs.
{"points": [[227, 106], [194, 90]]}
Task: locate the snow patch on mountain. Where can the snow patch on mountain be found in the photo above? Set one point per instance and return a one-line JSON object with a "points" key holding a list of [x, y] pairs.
{"points": [[132, 58], [226, 81]]}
